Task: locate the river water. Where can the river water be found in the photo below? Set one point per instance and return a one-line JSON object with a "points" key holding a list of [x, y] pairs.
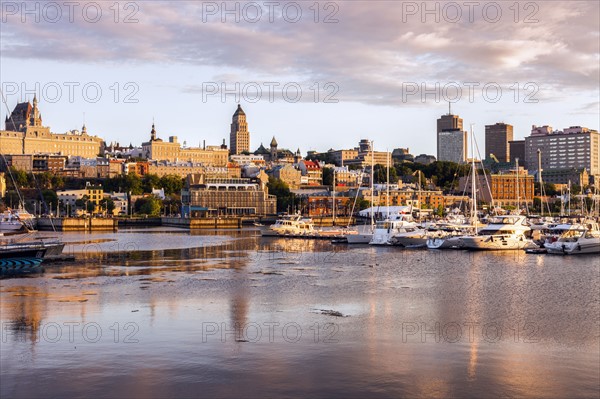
{"points": [[168, 313]]}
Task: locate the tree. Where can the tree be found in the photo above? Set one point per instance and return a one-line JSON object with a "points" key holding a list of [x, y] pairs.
{"points": [[328, 176], [51, 199], [108, 204], [133, 184], [172, 184], [381, 174], [285, 198], [149, 182], [85, 203], [148, 206]]}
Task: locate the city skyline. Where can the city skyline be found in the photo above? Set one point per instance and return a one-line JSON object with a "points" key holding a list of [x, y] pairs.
{"points": [[372, 75]]}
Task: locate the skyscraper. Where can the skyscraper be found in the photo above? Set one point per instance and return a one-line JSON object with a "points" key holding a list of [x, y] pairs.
{"points": [[239, 138], [451, 139], [496, 141]]}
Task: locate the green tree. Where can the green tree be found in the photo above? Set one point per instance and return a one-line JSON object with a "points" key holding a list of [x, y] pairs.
{"points": [[108, 204], [85, 204], [285, 198], [149, 182], [148, 206], [51, 199], [133, 184], [327, 176], [172, 184]]}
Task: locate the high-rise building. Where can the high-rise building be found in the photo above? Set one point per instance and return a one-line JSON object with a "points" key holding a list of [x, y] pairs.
{"points": [[451, 123], [573, 148], [452, 146], [239, 138], [496, 141], [517, 150]]}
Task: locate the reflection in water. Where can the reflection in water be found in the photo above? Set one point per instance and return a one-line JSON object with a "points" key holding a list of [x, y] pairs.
{"points": [[151, 305]]}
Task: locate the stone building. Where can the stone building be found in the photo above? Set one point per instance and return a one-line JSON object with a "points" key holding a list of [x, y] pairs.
{"points": [[239, 136], [158, 150], [503, 188], [25, 134]]}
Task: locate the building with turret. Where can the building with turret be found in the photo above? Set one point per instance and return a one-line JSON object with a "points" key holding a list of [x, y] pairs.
{"points": [[25, 134], [171, 151], [239, 136]]}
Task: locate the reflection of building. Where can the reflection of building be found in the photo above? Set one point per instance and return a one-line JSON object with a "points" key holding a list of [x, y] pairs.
{"points": [[239, 136], [227, 197], [25, 134], [496, 141], [504, 190], [575, 147], [171, 151]]}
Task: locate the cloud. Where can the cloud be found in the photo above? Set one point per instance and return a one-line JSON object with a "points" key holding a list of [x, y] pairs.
{"points": [[372, 49]]}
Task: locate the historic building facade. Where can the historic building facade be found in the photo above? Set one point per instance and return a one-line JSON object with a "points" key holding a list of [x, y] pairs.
{"points": [[239, 136], [25, 134]]}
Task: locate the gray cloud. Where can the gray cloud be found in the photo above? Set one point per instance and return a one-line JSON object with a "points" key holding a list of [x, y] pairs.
{"points": [[369, 53]]}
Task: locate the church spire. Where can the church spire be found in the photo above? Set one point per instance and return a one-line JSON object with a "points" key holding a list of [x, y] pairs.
{"points": [[153, 133]]}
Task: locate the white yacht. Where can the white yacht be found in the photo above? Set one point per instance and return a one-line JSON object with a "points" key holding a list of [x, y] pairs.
{"points": [[502, 232], [385, 229], [9, 222], [578, 239], [293, 224], [411, 237], [362, 236]]}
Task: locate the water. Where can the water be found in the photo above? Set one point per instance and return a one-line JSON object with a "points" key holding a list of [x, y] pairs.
{"points": [[165, 313]]}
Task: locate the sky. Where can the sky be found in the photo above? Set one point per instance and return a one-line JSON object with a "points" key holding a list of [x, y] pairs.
{"points": [[316, 75]]}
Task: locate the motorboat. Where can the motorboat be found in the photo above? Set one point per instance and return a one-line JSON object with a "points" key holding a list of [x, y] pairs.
{"points": [[293, 224], [502, 232], [578, 239], [10, 222], [413, 237], [385, 229]]}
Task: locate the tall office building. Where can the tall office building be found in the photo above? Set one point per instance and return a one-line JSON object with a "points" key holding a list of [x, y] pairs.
{"points": [[451, 139], [571, 150], [239, 138], [452, 146], [496, 141]]}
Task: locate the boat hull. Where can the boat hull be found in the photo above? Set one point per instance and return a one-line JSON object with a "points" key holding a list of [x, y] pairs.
{"points": [[558, 248], [359, 238], [491, 243], [444, 243]]}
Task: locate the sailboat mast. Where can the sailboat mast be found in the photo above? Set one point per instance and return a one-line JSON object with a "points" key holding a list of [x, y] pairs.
{"points": [[518, 192], [473, 189], [372, 180], [388, 183]]}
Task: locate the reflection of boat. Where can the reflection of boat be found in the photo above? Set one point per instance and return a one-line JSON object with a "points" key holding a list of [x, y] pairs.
{"points": [[21, 258], [502, 232], [576, 240], [257, 224]]}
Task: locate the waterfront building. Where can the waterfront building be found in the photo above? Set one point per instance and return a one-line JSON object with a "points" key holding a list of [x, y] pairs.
{"points": [[452, 146], [25, 134], [502, 188], [239, 136], [227, 197], [93, 193], [581, 177], [158, 150], [497, 137], [36, 162], [573, 148]]}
